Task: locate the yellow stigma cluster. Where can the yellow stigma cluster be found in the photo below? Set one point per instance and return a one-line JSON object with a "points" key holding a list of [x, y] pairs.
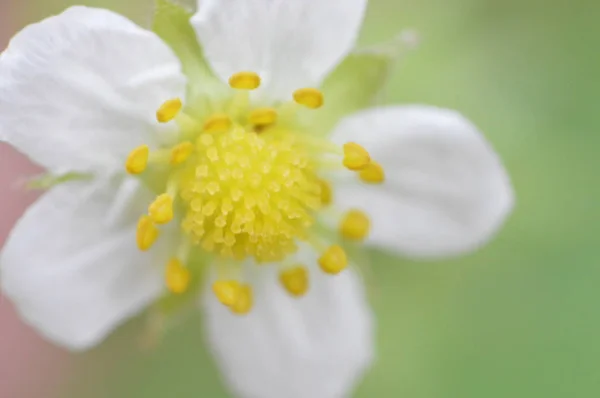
{"points": [[246, 184], [249, 195]]}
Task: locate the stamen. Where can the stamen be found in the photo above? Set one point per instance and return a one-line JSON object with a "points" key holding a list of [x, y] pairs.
{"points": [[373, 173], [227, 292], [181, 152], [355, 156], [263, 117], [147, 233], [169, 110], [161, 210], [238, 105], [137, 161], [244, 302], [309, 97], [244, 81], [320, 144], [295, 280], [159, 156], [188, 126], [334, 260], [177, 277], [326, 193], [355, 225], [217, 123]]}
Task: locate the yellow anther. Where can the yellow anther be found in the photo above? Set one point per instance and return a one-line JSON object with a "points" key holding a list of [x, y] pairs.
{"points": [[227, 292], [244, 301], [161, 210], [334, 260], [295, 280], [373, 173], [137, 161], [309, 97], [147, 233], [177, 277], [355, 156], [181, 152], [355, 225], [244, 81], [326, 192], [263, 116], [169, 110], [217, 123]]}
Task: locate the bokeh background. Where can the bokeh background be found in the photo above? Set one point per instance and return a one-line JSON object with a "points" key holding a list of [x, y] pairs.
{"points": [[520, 318]]}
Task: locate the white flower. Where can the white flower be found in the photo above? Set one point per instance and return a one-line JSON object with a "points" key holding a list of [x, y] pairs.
{"points": [[223, 180]]}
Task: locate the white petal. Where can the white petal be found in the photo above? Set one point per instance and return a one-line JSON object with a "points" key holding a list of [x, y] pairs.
{"points": [[81, 89], [71, 265], [446, 190], [290, 43], [316, 346]]}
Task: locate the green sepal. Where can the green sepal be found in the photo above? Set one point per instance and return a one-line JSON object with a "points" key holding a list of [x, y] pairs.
{"points": [[357, 83], [172, 24]]}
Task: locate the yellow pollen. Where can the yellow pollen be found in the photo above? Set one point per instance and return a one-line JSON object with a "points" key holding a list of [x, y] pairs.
{"points": [[249, 195], [309, 97], [181, 152], [263, 117], [373, 173], [244, 301], [295, 280], [217, 123], [355, 156], [161, 210], [326, 192], [355, 225], [147, 233], [334, 260], [244, 81], [177, 277], [227, 292], [168, 110], [137, 161]]}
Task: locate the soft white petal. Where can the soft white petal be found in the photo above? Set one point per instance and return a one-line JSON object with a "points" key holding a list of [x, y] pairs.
{"points": [[71, 265], [318, 346], [290, 43], [446, 190], [81, 89]]}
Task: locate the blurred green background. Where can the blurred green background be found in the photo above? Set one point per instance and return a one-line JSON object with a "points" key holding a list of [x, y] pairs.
{"points": [[519, 318]]}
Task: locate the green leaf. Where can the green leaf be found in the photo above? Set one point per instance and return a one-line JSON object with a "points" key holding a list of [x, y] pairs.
{"points": [[357, 83], [172, 24]]}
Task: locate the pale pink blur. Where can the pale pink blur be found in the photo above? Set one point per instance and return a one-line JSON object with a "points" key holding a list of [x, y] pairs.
{"points": [[29, 366]]}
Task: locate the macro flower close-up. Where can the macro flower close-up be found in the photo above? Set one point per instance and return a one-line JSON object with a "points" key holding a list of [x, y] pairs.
{"points": [[232, 158]]}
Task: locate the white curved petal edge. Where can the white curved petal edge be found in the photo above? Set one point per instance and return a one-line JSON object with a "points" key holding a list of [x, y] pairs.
{"points": [[290, 43], [319, 345], [71, 265], [80, 90], [446, 191]]}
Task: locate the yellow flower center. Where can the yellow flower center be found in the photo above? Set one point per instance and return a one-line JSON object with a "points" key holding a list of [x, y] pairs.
{"points": [[247, 183], [248, 194]]}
